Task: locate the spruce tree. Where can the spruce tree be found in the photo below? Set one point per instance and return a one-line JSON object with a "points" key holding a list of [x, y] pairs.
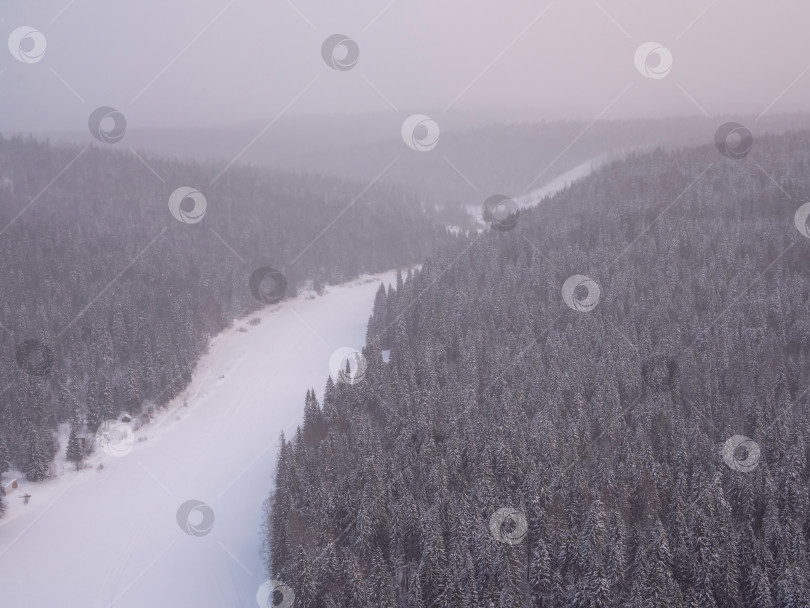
{"points": [[74, 449], [37, 464], [4, 456]]}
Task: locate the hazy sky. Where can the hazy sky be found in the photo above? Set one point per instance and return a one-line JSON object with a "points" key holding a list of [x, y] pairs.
{"points": [[219, 62]]}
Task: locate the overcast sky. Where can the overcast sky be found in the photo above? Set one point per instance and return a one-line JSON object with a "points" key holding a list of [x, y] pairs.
{"points": [[221, 62]]}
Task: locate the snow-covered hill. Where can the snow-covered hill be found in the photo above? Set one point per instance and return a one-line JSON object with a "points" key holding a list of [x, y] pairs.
{"points": [[116, 526]]}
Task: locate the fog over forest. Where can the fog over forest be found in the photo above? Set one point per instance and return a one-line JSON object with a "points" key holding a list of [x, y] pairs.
{"points": [[204, 63], [405, 304]]}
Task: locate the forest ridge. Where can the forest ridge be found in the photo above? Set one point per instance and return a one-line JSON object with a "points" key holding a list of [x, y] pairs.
{"points": [[634, 439]]}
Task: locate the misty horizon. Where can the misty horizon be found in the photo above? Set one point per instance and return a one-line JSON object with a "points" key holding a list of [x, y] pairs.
{"points": [[226, 64]]}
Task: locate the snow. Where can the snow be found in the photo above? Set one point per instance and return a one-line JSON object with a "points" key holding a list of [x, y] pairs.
{"points": [[108, 535], [536, 196], [561, 182]]}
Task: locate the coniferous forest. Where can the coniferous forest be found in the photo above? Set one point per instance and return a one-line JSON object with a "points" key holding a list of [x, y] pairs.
{"points": [[109, 300], [404, 304], [604, 406]]}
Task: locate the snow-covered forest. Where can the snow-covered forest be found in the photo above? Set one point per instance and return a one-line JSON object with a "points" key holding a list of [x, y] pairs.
{"points": [[88, 334], [404, 304], [634, 437]]}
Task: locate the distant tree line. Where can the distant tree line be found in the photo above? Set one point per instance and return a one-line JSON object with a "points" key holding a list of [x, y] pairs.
{"points": [[108, 300], [508, 158], [600, 432]]}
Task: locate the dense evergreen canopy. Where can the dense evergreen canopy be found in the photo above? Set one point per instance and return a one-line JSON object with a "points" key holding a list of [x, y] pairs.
{"points": [[598, 424]]}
